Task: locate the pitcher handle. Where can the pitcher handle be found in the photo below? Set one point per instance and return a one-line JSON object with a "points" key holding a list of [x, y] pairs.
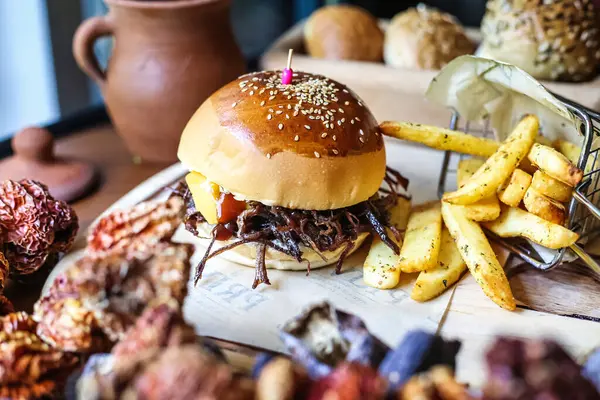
{"points": [[83, 46]]}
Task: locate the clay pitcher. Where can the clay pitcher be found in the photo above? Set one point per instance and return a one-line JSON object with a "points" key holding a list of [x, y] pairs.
{"points": [[168, 57]]}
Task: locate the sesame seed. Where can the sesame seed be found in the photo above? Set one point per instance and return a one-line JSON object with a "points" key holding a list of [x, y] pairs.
{"points": [[287, 116], [296, 138], [269, 155], [340, 110], [352, 121], [361, 132], [344, 90], [271, 97], [361, 139], [289, 106], [244, 89], [295, 113], [307, 127], [279, 112], [280, 126], [356, 118], [270, 110], [269, 116], [261, 91], [343, 120], [262, 103], [234, 104], [324, 135], [251, 92], [347, 103], [254, 79], [339, 122], [360, 104], [335, 151], [317, 155], [280, 106], [334, 138]]}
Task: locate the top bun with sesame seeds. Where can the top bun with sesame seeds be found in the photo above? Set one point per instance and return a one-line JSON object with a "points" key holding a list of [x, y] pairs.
{"points": [[551, 40], [310, 145], [424, 38]]}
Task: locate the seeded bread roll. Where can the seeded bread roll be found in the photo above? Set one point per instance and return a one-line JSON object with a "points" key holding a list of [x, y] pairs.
{"points": [[343, 32], [424, 38], [557, 40], [311, 145]]}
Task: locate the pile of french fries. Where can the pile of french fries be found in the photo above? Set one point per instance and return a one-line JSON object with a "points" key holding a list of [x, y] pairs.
{"points": [[517, 188]]}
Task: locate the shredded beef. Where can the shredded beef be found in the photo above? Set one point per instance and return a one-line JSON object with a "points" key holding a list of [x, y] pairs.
{"points": [[286, 230]]}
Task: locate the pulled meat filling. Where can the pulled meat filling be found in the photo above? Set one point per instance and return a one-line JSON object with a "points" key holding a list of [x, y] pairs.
{"points": [[287, 230]]}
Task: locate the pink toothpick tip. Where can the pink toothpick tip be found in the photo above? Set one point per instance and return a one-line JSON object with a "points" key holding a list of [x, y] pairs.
{"points": [[286, 75]]}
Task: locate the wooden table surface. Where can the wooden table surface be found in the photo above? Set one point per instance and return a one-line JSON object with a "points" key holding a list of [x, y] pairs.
{"points": [[118, 175]]}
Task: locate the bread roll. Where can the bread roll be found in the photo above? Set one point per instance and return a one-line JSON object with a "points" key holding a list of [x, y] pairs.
{"points": [[424, 38], [557, 40], [343, 32]]}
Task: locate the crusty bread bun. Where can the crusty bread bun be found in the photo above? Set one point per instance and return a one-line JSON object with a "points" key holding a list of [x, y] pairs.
{"points": [[557, 40], [246, 254], [343, 32], [310, 145], [424, 38]]}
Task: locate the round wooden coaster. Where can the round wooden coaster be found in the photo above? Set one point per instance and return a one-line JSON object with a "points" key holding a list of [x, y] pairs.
{"points": [[34, 159]]}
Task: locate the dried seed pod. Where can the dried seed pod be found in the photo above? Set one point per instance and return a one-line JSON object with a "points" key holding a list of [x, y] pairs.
{"points": [[3, 269], [38, 390], [115, 291], [18, 321], [529, 369], [25, 358], [33, 224], [135, 230], [187, 372], [67, 325], [6, 306], [158, 327], [349, 381], [348, 339]]}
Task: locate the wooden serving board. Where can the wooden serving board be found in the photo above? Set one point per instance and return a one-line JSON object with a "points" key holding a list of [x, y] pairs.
{"points": [[391, 83]]}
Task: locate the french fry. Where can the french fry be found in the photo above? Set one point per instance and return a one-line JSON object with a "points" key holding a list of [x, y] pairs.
{"points": [[380, 269], [514, 222], [466, 169], [568, 149], [554, 164], [553, 188], [512, 191], [543, 140], [399, 213], [440, 138], [488, 178], [479, 255], [544, 207], [487, 209], [422, 238], [449, 269]]}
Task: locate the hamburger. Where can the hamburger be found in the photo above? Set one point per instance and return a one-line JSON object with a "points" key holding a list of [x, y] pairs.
{"points": [[286, 176]]}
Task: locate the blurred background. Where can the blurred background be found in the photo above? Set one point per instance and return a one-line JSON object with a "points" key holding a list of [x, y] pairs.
{"points": [[41, 84]]}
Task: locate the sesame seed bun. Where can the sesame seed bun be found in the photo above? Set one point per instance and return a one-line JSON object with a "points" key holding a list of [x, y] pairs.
{"points": [[310, 145], [343, 32], [425, 38], [246, 254], [550, 40]]}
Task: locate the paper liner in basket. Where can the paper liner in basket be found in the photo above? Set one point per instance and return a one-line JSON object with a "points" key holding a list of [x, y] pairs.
{"points": [[479, 89]]}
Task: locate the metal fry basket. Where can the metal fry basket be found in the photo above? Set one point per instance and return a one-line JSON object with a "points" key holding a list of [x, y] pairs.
{"points": [[584, 211]]}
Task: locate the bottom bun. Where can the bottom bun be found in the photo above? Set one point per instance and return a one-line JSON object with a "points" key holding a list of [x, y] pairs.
{"points": [[245, 254]]}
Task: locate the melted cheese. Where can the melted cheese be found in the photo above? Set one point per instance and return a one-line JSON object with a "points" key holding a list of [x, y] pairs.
{"points": [[205, 194]]}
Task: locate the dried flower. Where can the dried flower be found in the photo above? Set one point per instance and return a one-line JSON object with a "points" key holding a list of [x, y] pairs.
{"points": [[24, 357], [133, 231], [33, 225], [111, 293], [158, 327]]}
